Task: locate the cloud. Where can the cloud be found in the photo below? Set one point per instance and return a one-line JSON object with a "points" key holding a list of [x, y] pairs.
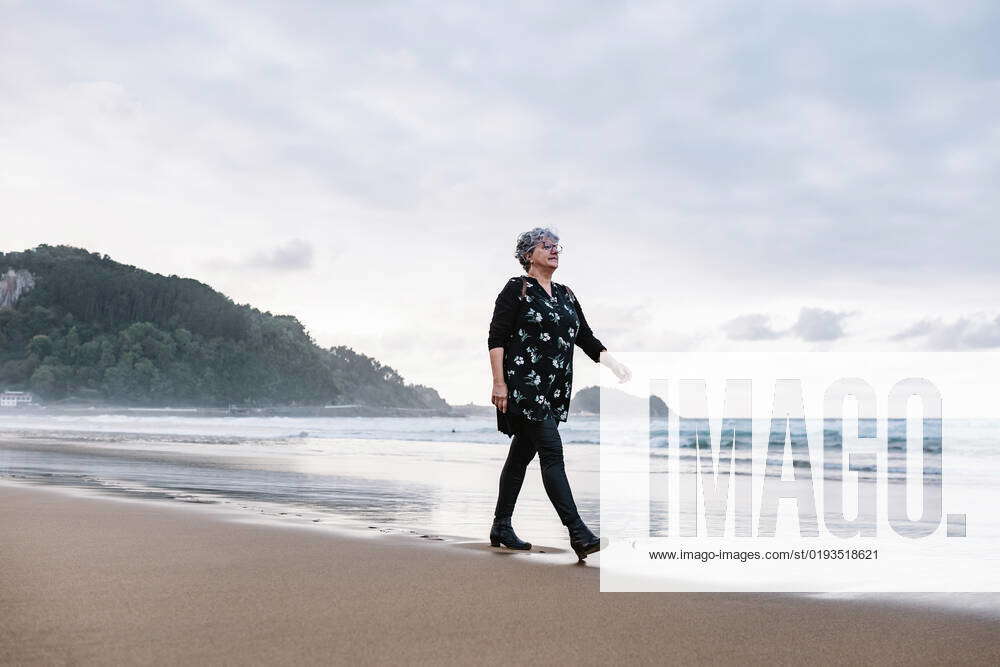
{"points": [[812, 325], [755, 326], [293, 255], [977, 331], [848, 151], [921, 328], [817, 324]]}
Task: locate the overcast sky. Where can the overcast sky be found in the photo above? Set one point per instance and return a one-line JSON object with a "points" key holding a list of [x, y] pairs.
{"points": [[816, 176]]}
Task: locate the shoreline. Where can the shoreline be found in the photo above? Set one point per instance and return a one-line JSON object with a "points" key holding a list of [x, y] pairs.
{"points": [[90, 578], [288, 517], [337, 411]]}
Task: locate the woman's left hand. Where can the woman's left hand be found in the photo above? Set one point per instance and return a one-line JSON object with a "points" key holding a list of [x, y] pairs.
{"points": [[621, 371]]}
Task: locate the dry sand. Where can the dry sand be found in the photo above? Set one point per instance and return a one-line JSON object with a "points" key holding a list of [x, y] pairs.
{"points": [[94, 580]]}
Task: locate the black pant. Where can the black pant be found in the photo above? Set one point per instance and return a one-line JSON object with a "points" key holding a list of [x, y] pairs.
{"points": [[530, 437]]}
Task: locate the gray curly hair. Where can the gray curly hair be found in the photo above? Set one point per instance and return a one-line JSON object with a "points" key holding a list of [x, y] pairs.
{"points": [[527, 241]]}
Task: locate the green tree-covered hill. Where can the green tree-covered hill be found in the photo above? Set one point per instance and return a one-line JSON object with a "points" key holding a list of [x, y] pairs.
{"points": [[78, 324]]}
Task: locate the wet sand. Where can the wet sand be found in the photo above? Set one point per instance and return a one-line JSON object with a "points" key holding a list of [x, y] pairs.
{"points": [[89, 580]]}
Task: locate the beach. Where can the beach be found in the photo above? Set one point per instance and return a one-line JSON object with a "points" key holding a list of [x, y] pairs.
{"points": [[96, 580], [218, 540]]}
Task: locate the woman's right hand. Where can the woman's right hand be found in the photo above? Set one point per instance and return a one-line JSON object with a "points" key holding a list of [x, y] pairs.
{"points": [[500, 396]]}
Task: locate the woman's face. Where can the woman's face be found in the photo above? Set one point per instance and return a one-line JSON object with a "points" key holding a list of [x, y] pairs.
{"points": [[546, 254]]}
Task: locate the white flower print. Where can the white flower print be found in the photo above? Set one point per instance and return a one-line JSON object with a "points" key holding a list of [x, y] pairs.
{"points": [[533, 353], [546, 336], [557, 393], [510, 372], [534, 378], [522, 335], [526, 413], [554, 316], [557, 362], [527, 298], [518, 360], [562, 343], [572, 332], [517, 396]]}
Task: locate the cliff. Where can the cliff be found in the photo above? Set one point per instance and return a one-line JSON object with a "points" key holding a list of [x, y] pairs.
{"points": [[13, 284]]}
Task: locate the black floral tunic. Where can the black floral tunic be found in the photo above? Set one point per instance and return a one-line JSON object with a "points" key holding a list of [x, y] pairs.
{"points": [[537, 333]]}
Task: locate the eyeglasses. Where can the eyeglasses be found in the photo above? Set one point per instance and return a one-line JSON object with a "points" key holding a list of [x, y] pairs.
{"points": [[547, 247]]}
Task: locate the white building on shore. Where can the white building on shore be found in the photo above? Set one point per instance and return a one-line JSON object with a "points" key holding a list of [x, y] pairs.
{"points": [[12, 399]]}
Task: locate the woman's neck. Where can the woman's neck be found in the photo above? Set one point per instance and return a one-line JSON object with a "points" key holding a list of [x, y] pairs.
{"points": [[544, 278]]}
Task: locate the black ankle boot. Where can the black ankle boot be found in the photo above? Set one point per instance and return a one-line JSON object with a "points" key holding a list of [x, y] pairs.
{"points": [[503, 533], [582, 540]]}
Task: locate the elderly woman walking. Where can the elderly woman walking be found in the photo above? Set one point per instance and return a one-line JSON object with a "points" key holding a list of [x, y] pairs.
{"points": [[536, 322]]}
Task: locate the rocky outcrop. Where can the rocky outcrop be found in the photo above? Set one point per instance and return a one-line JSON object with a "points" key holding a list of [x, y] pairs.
{"points": [[13, 284], [588, 401]]}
